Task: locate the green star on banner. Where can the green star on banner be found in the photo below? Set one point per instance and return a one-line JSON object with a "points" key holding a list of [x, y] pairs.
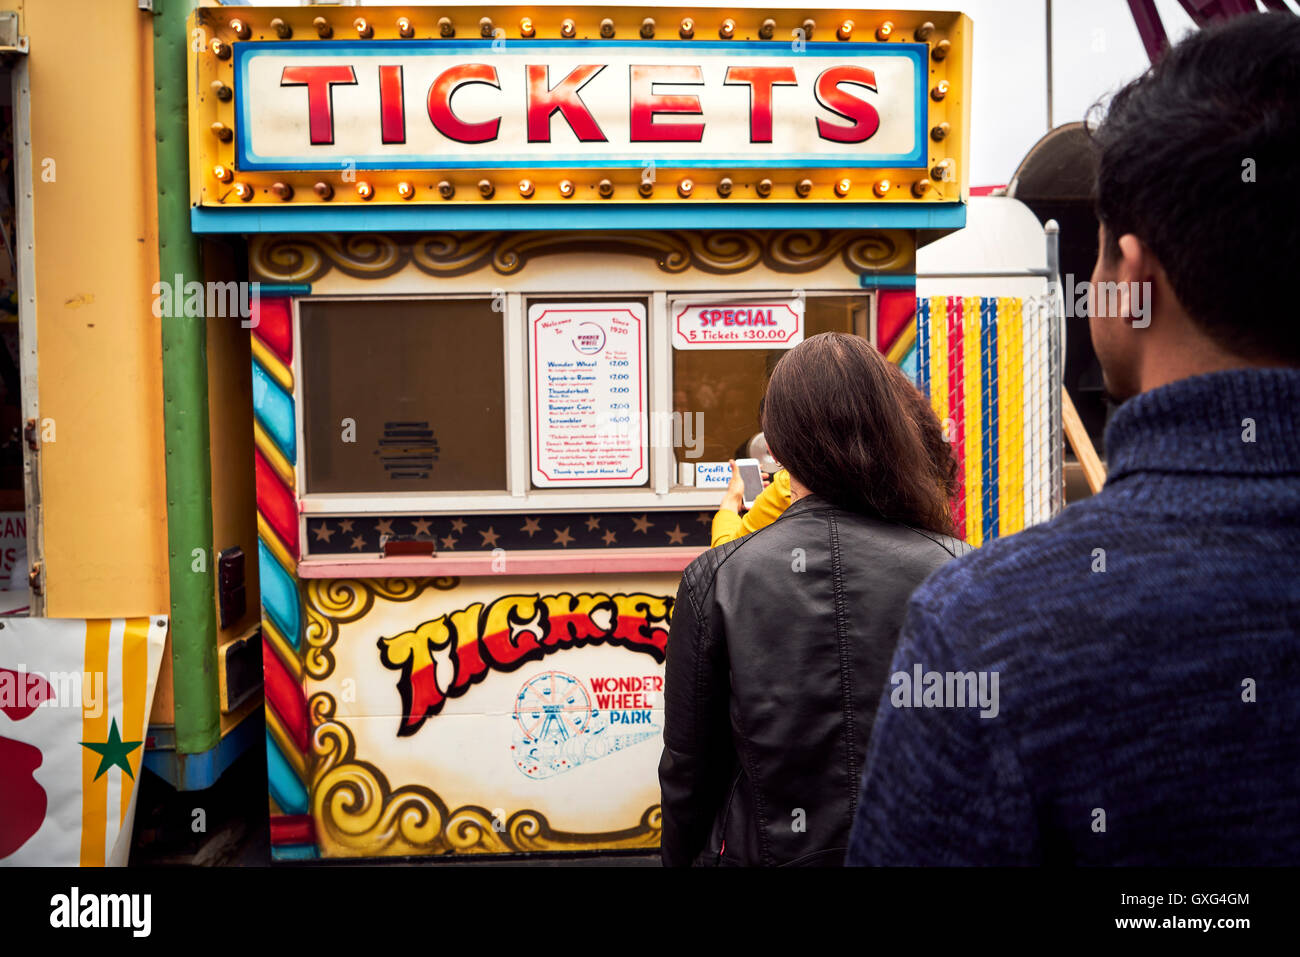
{"points": [[113, 751]]}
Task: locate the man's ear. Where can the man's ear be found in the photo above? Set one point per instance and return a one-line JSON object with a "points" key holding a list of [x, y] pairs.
{"points": [[1136, 262], [1138, 274]]}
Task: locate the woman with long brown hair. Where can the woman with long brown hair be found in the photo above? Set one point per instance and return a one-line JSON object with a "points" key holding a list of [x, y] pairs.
{"points": [[781, 640]]}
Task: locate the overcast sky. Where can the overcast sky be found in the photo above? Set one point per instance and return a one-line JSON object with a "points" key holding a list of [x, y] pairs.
{"points": [[1095, 49]]}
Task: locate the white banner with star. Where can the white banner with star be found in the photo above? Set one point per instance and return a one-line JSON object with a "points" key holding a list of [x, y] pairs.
{"points": [[75, 697]]}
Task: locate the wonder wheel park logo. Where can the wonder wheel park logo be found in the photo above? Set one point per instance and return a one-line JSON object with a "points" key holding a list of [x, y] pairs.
{"points": [[558, 726], [589, 339]]}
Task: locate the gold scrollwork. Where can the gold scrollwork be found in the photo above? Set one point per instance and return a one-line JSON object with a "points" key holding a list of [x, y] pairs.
{"points": [[304, 259], [358, 813], [332, 602]]}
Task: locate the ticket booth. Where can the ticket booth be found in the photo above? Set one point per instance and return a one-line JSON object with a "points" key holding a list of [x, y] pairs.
{"points": [[520, 277]]}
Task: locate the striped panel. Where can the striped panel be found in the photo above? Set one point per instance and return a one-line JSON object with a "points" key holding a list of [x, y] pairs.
{"points": [[923, 345], [957, 410], [288, 724], [973, 401], [989, 424]]}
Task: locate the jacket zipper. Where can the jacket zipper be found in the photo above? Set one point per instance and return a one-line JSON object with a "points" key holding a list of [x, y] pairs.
{"points": [[726, 813]]}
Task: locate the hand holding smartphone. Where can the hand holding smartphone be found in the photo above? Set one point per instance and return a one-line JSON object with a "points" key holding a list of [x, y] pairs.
{"points": [[752, 477]]}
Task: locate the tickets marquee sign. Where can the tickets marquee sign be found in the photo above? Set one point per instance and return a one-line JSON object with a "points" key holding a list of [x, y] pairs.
{"points": [[319, 106], [575, 104]]}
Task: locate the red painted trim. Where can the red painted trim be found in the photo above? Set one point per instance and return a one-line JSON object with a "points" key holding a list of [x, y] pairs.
{"points": [[285, 695], [275, 502], [583, 561], [957, 409], [292, 829], [273, 324], [894, 310]]}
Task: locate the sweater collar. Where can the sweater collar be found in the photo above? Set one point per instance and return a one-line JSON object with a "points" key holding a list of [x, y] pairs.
{"points": [[1242, 421]]}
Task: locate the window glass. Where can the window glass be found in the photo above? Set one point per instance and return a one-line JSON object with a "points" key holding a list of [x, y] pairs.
{"points": [[722, 387], [422, 383]]}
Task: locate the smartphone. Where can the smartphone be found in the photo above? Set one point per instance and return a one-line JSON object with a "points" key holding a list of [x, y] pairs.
{"points": [[752, 476]]}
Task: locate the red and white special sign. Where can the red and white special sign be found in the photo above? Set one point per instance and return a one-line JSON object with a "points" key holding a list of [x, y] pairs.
{"points": [[483, 104], [737, 325], [588, 393]]}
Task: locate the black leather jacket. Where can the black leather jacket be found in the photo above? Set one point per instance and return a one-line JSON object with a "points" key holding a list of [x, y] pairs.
{"points": [[778, 653]]}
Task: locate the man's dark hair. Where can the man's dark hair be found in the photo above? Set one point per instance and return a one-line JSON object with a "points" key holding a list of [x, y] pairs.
{"points": [[846, 422], [1197, 158]]}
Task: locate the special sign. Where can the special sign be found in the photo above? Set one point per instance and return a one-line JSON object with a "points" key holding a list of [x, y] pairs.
{"points": [[434, 104]]}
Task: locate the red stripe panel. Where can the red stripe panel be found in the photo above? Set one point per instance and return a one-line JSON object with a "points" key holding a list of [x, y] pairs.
{"points": [[292, 829], [275, 502], [285, 695], [894, 310], [274, 325], [957, 410]]}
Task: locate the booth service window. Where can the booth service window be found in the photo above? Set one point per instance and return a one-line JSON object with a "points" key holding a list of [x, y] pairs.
{"points": [[410, 395]]}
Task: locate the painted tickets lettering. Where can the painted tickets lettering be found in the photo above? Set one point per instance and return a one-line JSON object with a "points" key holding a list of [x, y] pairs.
{"points": [[442, 658], [462, 103]]}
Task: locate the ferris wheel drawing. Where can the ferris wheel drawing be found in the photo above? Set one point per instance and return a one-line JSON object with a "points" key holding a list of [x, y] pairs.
{"points": [[552, 708]]}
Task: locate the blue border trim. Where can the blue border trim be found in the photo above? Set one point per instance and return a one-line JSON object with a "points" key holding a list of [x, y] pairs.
{"points": [[195, 772], [323, 218], [886, 281], [247, 160], [281, 290]]}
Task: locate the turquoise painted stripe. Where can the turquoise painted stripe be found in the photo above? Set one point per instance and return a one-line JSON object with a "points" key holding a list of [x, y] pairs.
{"points": [[908, 363], [279, 595], [268, 289], [886, 281], [287, 791], [274, 409], [295, 852], [426, 218]]}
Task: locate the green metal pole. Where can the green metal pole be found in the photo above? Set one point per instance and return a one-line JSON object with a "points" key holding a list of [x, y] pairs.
{"points": [[185, 408]]}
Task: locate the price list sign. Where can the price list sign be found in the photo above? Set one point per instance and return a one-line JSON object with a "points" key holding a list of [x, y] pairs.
{"points": [[588, 394]]}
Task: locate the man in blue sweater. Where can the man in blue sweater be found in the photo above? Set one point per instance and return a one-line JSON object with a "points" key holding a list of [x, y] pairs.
{"points": [[1131, 670]]}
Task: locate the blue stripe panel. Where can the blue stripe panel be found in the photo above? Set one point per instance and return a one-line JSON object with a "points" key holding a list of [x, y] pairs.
{"points": [[295, 852], [319, 217], [923, 344], [274, 409], [282, 782], [989, 386], [279, 595]]}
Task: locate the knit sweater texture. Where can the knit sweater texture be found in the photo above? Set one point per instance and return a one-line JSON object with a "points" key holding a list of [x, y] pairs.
{"points": [[1146, 646]]}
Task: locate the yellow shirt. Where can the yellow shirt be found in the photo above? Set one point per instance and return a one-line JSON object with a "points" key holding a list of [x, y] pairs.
{"points": [[768, 507]]}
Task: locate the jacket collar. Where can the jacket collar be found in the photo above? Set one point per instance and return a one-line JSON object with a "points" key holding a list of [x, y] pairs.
{"points": [[1242, 421]]}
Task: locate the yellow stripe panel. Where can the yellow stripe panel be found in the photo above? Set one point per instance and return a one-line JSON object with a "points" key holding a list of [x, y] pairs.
{"points": [[939, 359], [906, 339], [974, 403], [281, 648], [94, 794], [277, 548], [135, 679], [269, 361], [1015, 339], [274, 457], [286, 744]]}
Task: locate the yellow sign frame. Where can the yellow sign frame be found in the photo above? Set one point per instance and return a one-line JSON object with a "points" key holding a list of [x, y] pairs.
{"points": [[216, 180]]}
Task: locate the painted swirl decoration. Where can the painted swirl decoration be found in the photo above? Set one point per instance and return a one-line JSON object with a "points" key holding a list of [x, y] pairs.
{"points": [[307, 258], [332, 602], [358, 814]]}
